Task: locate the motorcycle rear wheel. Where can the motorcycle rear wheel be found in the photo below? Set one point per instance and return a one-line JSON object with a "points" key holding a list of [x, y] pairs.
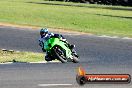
{"points": [[75, 59]]}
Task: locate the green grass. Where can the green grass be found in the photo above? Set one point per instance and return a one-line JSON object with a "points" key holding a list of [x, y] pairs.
{"points": [[20, 56], [96, 19]]}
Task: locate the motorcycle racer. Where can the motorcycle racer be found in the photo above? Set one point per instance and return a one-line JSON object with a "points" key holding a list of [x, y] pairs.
{"points": [[45, 35]]}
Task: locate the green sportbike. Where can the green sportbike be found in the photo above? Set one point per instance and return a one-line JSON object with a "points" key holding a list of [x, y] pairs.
{"points": [[59, 50]]}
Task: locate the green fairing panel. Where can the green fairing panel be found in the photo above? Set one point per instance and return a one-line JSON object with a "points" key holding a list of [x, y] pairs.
{"points": [[50, 43]]}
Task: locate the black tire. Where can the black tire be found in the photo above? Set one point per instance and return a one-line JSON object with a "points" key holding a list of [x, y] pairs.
{"points": [[75, 59], [81, 80], [59, 57]]}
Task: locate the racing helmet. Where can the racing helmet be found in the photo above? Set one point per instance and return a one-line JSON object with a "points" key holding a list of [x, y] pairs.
{"points": [[43, 32]]}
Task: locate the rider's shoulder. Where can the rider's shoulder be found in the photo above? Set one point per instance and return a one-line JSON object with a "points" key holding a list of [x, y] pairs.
{"points": [[50, 33]]}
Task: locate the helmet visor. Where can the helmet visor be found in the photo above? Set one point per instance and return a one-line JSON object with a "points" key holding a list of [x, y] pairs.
{"points": [[42, 33]]}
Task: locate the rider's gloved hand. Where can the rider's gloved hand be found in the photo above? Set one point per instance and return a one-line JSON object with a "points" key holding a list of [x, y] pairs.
{"points": [[40, 44]]}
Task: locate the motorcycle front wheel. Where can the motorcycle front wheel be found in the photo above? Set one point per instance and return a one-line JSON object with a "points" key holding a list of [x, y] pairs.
{"points": [[60, 54]]}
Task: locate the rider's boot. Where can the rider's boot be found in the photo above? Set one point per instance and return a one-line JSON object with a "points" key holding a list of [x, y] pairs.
{"points": [[69, 45]]}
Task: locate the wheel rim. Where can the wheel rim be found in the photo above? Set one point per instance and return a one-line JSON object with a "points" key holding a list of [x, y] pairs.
{"points": [[61, 53]]}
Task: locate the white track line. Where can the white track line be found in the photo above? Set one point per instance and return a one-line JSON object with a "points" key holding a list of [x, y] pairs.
{"points": [[7, 63], [114, 37], [32, 62], [127, 38], [46, 62], [54, 84], [105, 36]]}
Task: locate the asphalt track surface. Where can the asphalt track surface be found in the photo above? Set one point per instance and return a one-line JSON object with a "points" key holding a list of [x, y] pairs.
{"points": [[97, 55]]}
